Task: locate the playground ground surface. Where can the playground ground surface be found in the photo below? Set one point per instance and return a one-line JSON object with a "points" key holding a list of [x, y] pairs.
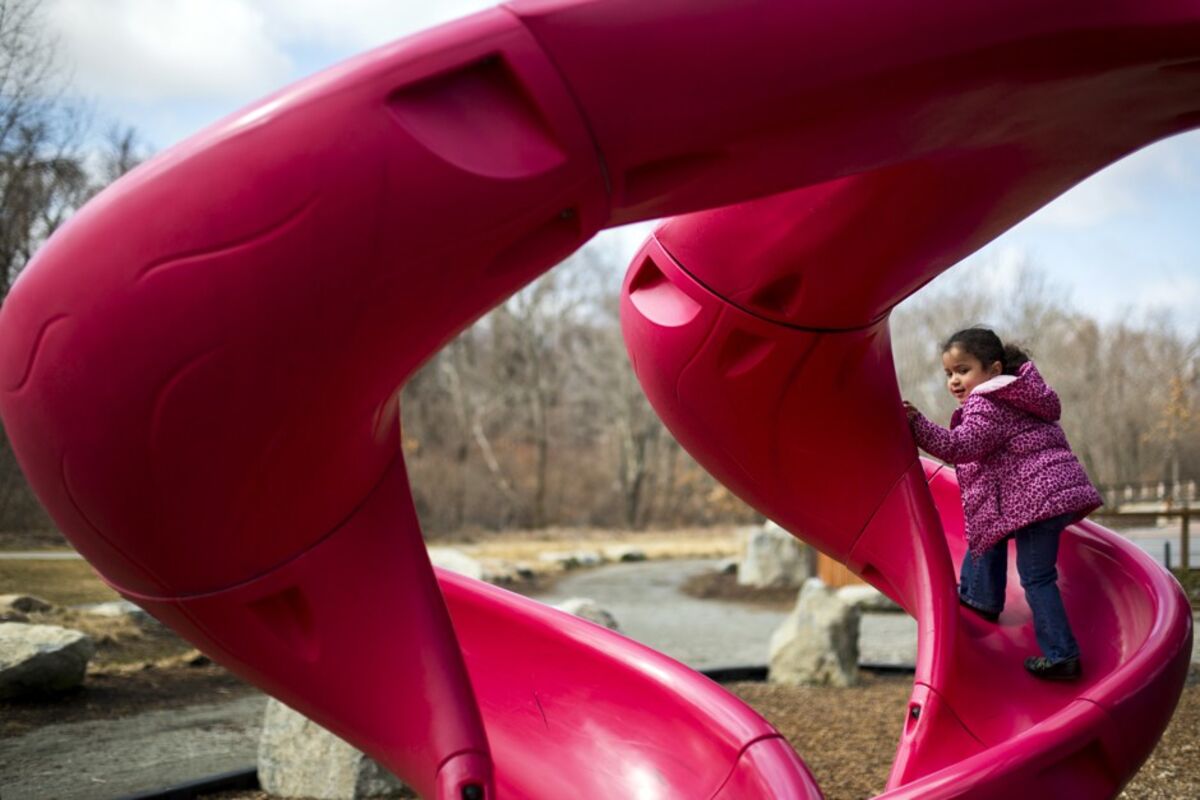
{"points": [[847, 736]]}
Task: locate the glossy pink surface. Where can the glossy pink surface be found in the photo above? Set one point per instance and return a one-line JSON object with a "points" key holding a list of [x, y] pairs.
{"points": [[741, 394], [199, 373], [573, 709]]}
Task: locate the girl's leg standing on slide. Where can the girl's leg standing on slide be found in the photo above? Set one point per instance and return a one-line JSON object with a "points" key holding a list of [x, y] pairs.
{"points": [[983, 579], [1037, 553]]}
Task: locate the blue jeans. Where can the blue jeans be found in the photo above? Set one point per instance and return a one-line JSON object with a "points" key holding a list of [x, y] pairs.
{"points": [[983, 580]]}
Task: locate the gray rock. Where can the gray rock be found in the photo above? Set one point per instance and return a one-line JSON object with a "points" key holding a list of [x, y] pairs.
{"points": [[41, 659], [774, 558], [23, 603], [867, 598], [625, 554], [578, 558], [590, 610], [120, 608], [456, 561], [493, 570], [817, 645], [499, 572], [299, 758]]}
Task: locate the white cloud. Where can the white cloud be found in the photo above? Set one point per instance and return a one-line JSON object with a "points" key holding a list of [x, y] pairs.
{"points": [[358, 24], [1093, 202], [231, 51], [626, 240], [1177, 294], [150, 50], [1127, 186], [1001, 269], [1004, 268]]}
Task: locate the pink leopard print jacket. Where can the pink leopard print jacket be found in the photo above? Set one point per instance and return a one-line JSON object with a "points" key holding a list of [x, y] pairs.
{"points": [[1013, 461]]}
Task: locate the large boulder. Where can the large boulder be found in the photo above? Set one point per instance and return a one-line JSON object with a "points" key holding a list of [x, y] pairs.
{"points": [[299, 758], [41, 659], [24, 603], [456, 560], [590, 610], [774, 558], [119, 609], [625, 553], [574, 559], [492, 570], [817, 645], [867, 598], [18, 607]]}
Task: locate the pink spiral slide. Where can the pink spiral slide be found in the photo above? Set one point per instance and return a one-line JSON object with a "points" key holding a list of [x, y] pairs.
{"points": [[199, 373]]}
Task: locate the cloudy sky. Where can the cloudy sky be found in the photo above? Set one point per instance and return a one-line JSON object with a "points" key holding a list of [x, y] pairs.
{"points": [[1124, 243]]}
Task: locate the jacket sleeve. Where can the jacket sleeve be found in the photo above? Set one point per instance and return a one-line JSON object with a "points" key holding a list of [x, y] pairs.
{"points": [[978, 435]]}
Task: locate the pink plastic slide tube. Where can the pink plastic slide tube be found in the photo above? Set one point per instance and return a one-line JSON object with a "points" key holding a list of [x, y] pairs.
{"points": [[199, 373]]}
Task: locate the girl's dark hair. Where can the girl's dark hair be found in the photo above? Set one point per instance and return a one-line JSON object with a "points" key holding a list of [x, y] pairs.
{"points": [[985, 345]]}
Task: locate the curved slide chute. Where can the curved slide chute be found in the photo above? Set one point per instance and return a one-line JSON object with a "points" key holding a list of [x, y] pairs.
{"points": [[795, 406], [199, 372], [573, 709]]}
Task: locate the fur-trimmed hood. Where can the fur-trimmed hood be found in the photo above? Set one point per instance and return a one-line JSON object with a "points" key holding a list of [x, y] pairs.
{"points": [[1026, 391]]}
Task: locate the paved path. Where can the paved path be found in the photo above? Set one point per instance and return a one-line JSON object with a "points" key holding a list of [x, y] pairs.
{"points": [[115, 758], [645, 599], [1154, 541]]}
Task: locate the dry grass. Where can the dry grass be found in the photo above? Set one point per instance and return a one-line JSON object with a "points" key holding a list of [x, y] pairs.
{"points": [[62, 582], [120, 641], [33, 540], [74, 582], [720, 542], [724, 586]]}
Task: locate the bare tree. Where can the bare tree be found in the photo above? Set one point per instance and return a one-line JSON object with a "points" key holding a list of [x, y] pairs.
{"points": [[1127, 387], [44, 177], [534, 417]]}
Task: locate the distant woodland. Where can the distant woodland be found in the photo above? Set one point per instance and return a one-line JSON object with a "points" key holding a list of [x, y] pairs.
{"points": [[533, 416]]}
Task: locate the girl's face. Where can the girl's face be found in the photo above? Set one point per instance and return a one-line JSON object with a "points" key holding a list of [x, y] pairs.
{"points": [[964, 372]]}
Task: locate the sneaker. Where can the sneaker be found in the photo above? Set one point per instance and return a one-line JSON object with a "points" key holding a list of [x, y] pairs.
{"points": [[990, 616], [1066, 670]]}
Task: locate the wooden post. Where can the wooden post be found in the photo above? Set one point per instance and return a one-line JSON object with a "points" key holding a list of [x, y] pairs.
{"points": [[835, 574], [1184, 544]]}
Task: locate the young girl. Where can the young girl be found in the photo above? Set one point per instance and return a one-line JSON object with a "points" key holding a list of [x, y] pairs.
{"points": [[1018, 479]]}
